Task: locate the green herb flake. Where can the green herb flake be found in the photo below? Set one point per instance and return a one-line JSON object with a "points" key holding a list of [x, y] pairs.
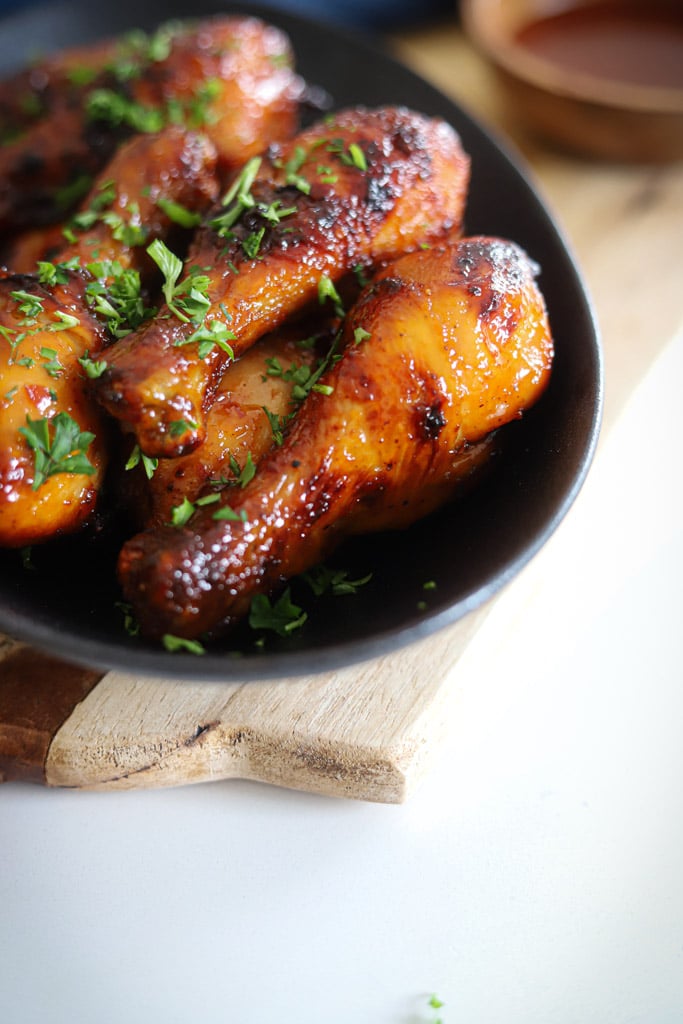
{"points": [[327, 290], [229, 514], [51, 362], [179, 643], [322, 579], [178, 214], [130, 623], [181, 513], [59, 446], [94, 368], [245, 473], [179, 427], [137, 456], [281, 616], [237, 199]]}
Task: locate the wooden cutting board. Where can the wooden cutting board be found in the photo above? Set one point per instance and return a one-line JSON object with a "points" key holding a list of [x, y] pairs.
{"points": [[367, 732]]}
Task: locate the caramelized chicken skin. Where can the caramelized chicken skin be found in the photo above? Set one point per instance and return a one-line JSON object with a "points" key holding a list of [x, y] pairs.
{"points": [[41, 379], [256, 397], [359, 188], [444, 347], [45, 329], [228, 76]]}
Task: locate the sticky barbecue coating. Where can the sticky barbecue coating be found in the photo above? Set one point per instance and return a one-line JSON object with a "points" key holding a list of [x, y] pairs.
{"points": [[444, 348], [359, 188], [46, 328], [135, 201], [257, 397], [43, 491], [231, 77]]}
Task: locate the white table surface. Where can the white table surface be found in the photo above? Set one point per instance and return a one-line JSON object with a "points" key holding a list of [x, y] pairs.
{"points": [[534, 878]]}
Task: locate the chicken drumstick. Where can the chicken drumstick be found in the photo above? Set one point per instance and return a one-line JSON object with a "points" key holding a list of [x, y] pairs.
{"points": [[444, 347]]}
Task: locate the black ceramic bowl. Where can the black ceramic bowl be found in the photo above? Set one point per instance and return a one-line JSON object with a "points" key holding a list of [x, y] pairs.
{"points": [[470, 549]]}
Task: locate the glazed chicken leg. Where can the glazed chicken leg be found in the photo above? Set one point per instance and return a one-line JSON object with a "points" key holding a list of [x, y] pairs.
{"points": [[230, 77], [442, 349], [52, 432], [359, 188]]}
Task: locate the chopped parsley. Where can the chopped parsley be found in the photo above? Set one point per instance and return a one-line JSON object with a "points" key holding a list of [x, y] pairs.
{"points": [[229, 514], [59, 446], [327, 290], [137, 456], [237, 199], [281, 616], [179, 643], [322, 579], [351, 156], [178, 214], [94, 368], [116, 296]]}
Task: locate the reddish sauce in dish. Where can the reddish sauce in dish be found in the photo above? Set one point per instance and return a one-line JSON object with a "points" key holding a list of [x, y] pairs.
{"points": [[635, 43]]}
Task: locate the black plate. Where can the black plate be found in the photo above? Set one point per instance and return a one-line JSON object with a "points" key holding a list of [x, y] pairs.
{"points": [[470, 549]]}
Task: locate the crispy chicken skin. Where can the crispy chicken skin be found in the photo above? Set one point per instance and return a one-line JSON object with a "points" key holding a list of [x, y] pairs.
{"points": [[256, 391], [444, 347], [359, 188], [128, 207], [144, 173], [231, 77], [45, 330]]}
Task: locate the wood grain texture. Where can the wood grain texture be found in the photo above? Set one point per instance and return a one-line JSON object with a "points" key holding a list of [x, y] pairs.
{"points": [[369, 732], [37, 694], [364, 732]]}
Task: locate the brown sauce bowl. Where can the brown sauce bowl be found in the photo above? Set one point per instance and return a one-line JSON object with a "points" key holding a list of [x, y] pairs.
{"points": [[603, 78]]}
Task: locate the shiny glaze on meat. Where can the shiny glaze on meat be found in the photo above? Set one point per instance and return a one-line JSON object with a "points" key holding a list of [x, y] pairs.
{"points": [[238, 426], [176, 164], [230, 77], [64, 500], [407, 188], [445, 347]]}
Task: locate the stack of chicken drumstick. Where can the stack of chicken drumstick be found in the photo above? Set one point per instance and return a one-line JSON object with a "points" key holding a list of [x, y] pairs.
{"points": [[280, 334]]}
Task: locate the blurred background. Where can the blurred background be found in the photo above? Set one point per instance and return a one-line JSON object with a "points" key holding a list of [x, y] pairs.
{"points": [[374, 15]]}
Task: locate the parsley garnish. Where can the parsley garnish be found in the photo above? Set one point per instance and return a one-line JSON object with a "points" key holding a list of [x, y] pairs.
{"points": [[179, 643], [229, 514], [277, 425], [59, 446], [130, 623], [282, 616], [292, 168], [208, 336], [322, 579], [94, 368], [327, 290], [244, 474], [137, 456], [51, 362], [115, 295], [182, 512], [179, 214], [238, 198], [178, 427], [353, 156]]}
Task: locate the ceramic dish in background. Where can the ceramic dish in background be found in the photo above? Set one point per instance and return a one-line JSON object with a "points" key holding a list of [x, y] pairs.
{"points": [[599, 77], [471, 548]]}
